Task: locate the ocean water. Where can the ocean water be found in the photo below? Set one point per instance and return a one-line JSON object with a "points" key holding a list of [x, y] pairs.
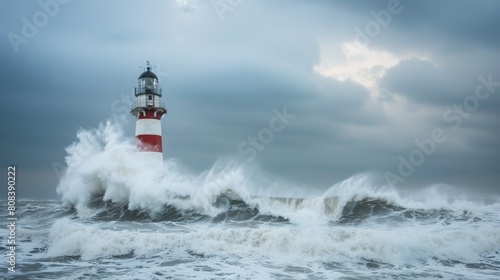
{"points": [[119, 220]]}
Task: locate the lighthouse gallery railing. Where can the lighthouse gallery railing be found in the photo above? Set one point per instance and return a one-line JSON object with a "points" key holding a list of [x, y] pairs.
{"points": [[147, 104]]}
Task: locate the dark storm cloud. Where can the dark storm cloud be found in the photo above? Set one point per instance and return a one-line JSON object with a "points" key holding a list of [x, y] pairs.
{"points": [[222, 78], [434, 25], [421, 81]]}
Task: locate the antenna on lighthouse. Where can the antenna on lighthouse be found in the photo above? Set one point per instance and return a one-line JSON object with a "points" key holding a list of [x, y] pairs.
{"points": [[149, 66]]}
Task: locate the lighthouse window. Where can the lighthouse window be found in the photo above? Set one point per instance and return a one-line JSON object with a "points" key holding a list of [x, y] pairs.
{"points": [[149, 83], [150, 97]]}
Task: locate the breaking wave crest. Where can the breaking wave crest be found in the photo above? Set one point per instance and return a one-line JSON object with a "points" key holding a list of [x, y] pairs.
{"points": [[123, 219], [105, 181]]}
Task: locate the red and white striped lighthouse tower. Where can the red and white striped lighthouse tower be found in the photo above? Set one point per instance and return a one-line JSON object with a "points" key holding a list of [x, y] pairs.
{"points": [[148, 110]]}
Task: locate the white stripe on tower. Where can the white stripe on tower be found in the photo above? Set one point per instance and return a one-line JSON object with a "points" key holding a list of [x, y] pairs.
{"points": [[148, 127]]}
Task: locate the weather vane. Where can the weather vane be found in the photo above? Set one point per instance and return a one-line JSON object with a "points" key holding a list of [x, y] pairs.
{"points": [[148, 65]]}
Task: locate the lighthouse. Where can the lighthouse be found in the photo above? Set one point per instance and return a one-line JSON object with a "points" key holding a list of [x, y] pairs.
{"points": [[148, 110]]}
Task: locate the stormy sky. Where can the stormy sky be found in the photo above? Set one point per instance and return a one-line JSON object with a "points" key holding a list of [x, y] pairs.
{"points": [[407, 90]]}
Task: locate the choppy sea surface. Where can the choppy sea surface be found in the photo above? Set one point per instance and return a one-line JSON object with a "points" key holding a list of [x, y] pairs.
{"points": [[117, 219], [370, 238]]}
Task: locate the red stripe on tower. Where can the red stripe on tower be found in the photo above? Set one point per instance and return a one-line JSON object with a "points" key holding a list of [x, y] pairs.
{"points": [[148, 110], [149, 143]]}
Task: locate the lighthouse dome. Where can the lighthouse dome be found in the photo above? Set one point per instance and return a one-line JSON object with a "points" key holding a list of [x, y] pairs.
{"points": [[148, 74]]}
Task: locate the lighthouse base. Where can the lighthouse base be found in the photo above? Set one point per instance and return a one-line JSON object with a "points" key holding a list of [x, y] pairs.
{"points": [[150, 159]]}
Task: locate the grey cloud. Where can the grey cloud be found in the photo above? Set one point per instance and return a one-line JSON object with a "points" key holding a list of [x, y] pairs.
{"points": [[225, 77], [421, 81]]}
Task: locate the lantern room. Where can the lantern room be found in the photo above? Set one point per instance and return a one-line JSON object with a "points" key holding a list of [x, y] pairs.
{"points": [[148, 83]]}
